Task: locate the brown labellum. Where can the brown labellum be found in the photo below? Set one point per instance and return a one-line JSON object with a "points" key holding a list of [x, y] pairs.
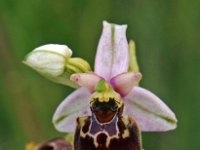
{"points": [[107, 129]]}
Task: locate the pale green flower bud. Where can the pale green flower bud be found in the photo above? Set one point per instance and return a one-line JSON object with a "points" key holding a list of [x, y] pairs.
{"points": [[54, 62], [133, 65], [77, 65]]}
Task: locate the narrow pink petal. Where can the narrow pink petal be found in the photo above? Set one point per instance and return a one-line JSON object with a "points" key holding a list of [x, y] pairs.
{"points": [[124, 82], [88, 80], [150, 112], [112, 57], [73, 106]]}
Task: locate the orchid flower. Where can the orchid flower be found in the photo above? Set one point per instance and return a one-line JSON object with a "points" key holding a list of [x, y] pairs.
{"points": [[116, 64], [112, 65]]}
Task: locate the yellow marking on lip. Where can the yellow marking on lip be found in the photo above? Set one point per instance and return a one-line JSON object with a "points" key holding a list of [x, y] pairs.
{"points": [[109, 138], [105, 95], [125, 134], [125, 120], [94, 137], [82, 121]]}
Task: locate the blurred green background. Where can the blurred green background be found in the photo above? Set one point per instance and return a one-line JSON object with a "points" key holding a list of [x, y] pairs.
{"points": [[168, 47]]}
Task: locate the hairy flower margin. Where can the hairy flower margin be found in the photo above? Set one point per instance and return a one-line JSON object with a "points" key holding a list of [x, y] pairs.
{"points": [[116, 63]]}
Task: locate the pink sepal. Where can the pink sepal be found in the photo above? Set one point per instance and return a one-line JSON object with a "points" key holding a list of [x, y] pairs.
{"points": [[112, 57]]}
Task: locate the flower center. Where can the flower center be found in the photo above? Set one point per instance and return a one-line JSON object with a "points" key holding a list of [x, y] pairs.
{"points": [[105, 102]]}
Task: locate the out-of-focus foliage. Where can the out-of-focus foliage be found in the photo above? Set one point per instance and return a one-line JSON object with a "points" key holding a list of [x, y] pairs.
{"points": [[167, 40]]}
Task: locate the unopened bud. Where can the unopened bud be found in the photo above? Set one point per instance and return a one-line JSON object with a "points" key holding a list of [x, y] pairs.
{"points": [[133, 65], [54, 62], [77, 65]]}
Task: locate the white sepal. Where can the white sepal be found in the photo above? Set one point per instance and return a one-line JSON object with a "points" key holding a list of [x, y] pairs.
{"points": [[73, 106], [150, 112]]}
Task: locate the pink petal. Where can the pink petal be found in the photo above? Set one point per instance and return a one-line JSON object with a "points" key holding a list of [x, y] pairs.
{"points": [[73, 106], [88, 80], [150, 112], [112, 57], [123, 83]]}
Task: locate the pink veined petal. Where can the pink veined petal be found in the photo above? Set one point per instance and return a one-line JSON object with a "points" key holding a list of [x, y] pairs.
{"points": [[124, 82], [112, 57], [150, 112], [73, 106], [88, 80]]}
